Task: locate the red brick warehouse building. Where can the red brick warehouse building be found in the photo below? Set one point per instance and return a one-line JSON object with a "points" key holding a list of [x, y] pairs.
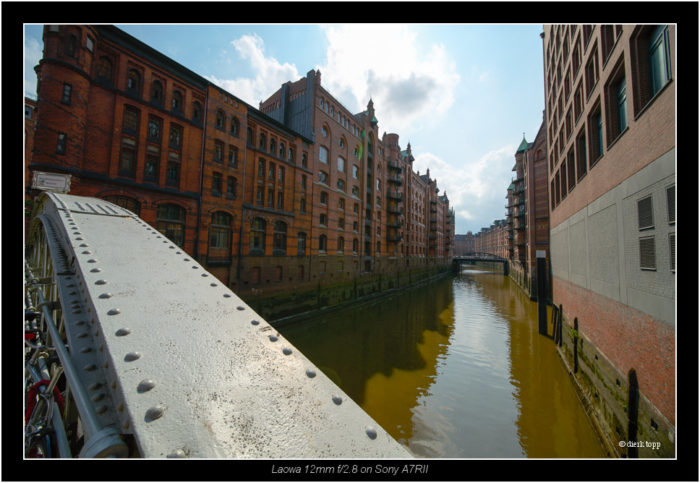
{"points": [[267, 204]]}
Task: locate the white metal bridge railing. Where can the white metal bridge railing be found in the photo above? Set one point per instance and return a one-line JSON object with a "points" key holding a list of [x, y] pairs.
{"points": [[132, 349]]}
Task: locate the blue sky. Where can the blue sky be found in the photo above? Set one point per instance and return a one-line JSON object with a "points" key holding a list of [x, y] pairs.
{"points": [[462, 95]]}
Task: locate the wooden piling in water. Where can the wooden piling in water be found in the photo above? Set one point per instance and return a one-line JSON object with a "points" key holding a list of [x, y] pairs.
{"points": [[632, 413], [575, 345]]}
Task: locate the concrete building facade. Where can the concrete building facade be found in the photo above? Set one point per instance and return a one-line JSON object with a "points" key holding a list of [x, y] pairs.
{"points": [[610, 119]]}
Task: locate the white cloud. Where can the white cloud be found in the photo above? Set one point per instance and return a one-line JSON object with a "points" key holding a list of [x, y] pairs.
{"points": [[270, 74], [473, 188], [32, 55], [407, 82]]}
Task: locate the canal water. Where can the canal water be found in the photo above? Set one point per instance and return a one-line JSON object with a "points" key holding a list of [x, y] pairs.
{"points": [[454, 369]]}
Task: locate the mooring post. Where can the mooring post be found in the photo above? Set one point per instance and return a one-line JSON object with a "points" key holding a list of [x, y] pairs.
{"points": [[575, 345], [541, 297], [632, 412], [561, 322]]}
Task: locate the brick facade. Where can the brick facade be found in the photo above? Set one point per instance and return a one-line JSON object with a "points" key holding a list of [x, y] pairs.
{"points": [[610, 121], [267, 202]]}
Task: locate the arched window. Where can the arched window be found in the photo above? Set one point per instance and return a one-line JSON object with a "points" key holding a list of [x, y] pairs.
{"points": [[282, 150], [322, 242], [220, 230], [196, 112], [279, 238], [125, 202], [341, 244], [170, 221], [177, 101], [235, 126], [220, 119], [104, 70], [263, 141], [133, 82], [257, 236], [272, 146], [323, 154], [249, 136], [157, 93]]}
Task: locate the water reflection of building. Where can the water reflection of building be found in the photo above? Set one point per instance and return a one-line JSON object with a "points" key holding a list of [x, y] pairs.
{"points": [[610, 118]]}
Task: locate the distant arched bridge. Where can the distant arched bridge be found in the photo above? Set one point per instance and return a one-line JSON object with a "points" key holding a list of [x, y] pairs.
{"points": [[478, 257]]}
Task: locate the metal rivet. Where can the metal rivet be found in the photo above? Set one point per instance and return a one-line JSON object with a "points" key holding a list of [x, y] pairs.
{"points": [[311, 373], [85, 350], [194, 266], [132, 356], [371, 433], [186, 259], [105, 295], [205, 275], [79, 238], [240, 308], [90, 367], [84, 245], [87, 252], [98, 397], [95, 386], [273, 338], [178, 453], [338, 400], [96, 270], [101, 282], [213, 284], [155, 412], [92, 260], [114, 312], [122, 332], [101, 410], [254, 322], [82, 335], [286, 351], [81, 322], [146, 385], [172, 248], [227, 295]]}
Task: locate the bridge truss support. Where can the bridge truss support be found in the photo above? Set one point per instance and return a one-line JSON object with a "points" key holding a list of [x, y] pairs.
{"points": [[134, 350]]}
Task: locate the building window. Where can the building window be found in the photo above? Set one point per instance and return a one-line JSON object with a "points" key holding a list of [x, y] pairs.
{"points": [[645, 213], [270, 198], [125, 202], [235, 126], [273, 145], [616, 100], [341, 165], [249, 136], [133, 82], [595, 134], [104, 70], [154, 129], [607, 41], [672, 250], [581, 167], [279, 238], [150, 170], [282, 151], [261, 168], [231, 185], [647, 253], [172, 174], [341, 244], [271, 172], [130, 123], [592, 72], [322, 243], [196, 112], [220, 230], [290, 155], [263, 141], [259, 197], [220, 119], [301, 243], [341, 185], [323, 219], [127, 162], [218, 151], [280, 200], [304, 160], [175, 139], [216, 184], [280, 175], [571, 170], [355, 245], [65, 97], [257, 236], [233, 156], [324, 198], [323, 155], [651, 62], [355, 171], [671, 204], [170, 221], [157, 93], [177, 102], [302, 205], [356, 191], [323, 177]]}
